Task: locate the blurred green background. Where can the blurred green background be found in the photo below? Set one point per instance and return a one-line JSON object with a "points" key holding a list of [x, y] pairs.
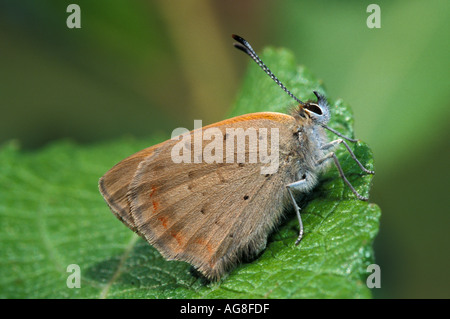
{"points": [[144, 67]]}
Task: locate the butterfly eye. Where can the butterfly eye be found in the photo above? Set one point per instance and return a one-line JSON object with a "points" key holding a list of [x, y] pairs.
{"points": [[313, 108]]}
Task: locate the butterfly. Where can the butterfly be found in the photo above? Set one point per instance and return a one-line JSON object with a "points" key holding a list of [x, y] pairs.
{"points": [[216, 204]]}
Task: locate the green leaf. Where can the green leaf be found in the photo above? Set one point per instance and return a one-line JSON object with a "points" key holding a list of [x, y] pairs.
{"points": [[52, 215]]}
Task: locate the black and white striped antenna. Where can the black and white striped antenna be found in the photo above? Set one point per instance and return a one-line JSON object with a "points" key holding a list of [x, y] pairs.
{"points": [[244, 46]]}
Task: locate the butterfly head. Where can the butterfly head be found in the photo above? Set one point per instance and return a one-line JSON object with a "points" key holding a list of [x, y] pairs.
{"points": [[318, 111]]}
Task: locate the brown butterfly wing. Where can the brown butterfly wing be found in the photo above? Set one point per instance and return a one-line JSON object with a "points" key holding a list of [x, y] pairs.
{"points": [[114, 185], [210, 215]]}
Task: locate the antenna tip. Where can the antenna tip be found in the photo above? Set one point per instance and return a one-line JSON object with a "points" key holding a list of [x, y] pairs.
{"points": [[241, 40]]}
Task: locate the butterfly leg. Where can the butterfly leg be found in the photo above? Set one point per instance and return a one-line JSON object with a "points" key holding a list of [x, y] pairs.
{"points": [[335, 143], [341, 173], [297, 185]]}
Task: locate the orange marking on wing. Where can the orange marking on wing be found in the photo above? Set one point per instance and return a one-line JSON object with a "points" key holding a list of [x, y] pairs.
{"points": [[209, 247], [178, 237], [163, 220], [153, 191], [203, 242], [274, 116], [155, 206], [200, 241]]}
